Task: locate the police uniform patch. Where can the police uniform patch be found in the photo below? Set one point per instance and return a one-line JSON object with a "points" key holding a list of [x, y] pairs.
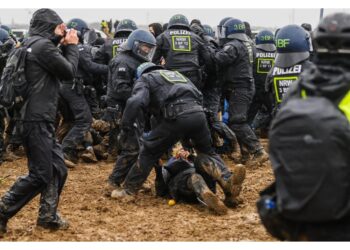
{"points": [[281, 85], [115, 49], [181, 43], [121, 74], [264, 65], [173, 76]]}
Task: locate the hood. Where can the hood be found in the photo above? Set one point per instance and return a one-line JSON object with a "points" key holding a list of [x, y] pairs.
{"points": [[326, 80], [44, 22]]}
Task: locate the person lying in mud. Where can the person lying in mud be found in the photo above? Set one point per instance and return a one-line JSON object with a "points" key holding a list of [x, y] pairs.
{"points": [[179, 180]]}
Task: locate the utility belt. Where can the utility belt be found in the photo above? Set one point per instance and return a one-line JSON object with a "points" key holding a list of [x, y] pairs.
{"points": [[174, 110]]}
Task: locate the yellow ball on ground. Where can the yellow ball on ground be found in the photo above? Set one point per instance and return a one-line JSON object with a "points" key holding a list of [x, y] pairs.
{"points": [[171, 202]]}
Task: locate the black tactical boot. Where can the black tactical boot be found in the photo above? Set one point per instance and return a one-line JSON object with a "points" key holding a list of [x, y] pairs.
{"points": [[57, 224], [89, 156], [197, 183], [259, 158], [70, 158], [233, 186]]}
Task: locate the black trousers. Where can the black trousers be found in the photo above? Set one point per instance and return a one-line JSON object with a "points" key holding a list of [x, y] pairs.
{"points": [[47, 173], [239, 102], [82, 117], [192, 126], [261, 98]]}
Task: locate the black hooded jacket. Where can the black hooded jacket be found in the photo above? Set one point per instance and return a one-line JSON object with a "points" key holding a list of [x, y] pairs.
{"points": [[46, 66]]}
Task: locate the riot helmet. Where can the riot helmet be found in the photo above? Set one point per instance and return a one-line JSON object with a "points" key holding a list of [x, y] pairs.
{"points": [[146, 67], [219, 27], [79, 25], [141, 43], [179, 21], [332, 35], [234, 29], [125, 27], [90, 37], [208, 30], [265, 40], [4, 35], [7, 28], [6, 43], [293, 46]]}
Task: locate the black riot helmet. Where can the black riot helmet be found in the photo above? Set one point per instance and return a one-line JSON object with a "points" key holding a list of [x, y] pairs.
{"points": [[332, 35], [79, 25], [90, 37], [234, 29], [146, 67], [142, 44], [293, 46], [265, 40], [4, 36], [125, 27], [179, 21], [208, 30]]}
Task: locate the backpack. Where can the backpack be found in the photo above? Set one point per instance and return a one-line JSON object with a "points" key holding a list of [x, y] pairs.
{"points": [[13, 83], [309, 153]]}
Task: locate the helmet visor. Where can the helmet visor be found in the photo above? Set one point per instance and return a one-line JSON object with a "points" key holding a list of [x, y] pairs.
{"points": [[144, 50], [222, 32]]}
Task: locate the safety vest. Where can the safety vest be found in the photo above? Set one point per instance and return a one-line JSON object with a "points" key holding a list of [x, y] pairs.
{"points": [[344, 104]]}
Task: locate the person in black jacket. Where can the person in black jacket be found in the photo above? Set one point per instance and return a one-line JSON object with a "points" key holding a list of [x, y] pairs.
{"points": [[292, 58], [78, 93], [138, 49], [45, 67], [112, 46], [176, 104], [235, 61], [182, 50], [309, 146], [259, 114]]}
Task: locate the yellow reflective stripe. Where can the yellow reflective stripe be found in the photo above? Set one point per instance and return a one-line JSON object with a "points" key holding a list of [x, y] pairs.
{"points": [[344, 105], [303, 94]]}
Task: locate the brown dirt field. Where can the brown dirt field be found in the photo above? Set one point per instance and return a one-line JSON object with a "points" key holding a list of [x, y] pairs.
{"points": [[95, 217]]}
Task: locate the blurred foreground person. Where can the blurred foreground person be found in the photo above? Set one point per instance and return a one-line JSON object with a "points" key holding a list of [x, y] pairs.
{"points": [[309, 146]]}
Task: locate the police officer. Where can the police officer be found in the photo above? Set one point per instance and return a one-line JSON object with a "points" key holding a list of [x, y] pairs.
{"points": [[292, 58], [263, 63], [139, 48], [112, 46], [177, 105], [312, 185], [235, 61], [211, 91], [45, 65], [182, 50], [208, 30], [6, 46], [79, 93]]}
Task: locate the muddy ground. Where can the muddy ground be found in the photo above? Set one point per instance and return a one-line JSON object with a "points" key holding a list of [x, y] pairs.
{"points": [[95, 217]]}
